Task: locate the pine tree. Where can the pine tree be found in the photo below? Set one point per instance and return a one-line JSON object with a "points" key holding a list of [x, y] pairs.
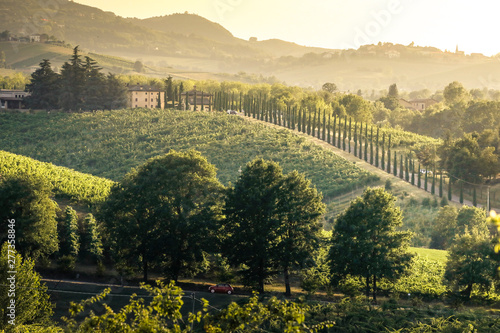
{"points": [[461, 192], [72, 83], [44, 88], [94, 86]]}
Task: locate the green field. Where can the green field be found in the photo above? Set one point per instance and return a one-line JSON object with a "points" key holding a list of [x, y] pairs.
{"points": [[109, 143]]}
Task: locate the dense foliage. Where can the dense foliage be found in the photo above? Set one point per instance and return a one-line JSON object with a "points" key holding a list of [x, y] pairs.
{"points": [[65, 183]]}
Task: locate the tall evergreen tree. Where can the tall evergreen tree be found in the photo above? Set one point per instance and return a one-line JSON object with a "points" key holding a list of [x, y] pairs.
{"points": [[407, 169], [433, 188], [44, 88], [441, 184], [371, 145], [329, 137], [461, 200], [324, 125], [366, 142], [382, 162], [395, 167], [376, 147], [474, 197], [419, 178], [401, 170], [345, 134], [356, 139], [412, 163], [449, 189], [115, 96], [309, 125], [350, 136], [93, 242], [361, 140], [169, 95], [72, 83], [69, 238], [425, 180], [389, 155], [94, 89]]}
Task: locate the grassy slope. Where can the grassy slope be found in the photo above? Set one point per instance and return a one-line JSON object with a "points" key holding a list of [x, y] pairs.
{"points": [[109, 144]]}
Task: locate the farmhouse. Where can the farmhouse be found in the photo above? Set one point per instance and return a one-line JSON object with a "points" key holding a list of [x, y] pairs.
{"points": [[417, 104], [12, 99], [143, 96], [196, 100]]}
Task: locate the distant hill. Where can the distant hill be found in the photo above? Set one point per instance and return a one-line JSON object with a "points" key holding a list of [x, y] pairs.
{"points": [[204, 49]]}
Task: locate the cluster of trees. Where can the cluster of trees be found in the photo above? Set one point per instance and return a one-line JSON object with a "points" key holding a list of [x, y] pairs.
{"points": [[80, 86], [43, 231]]}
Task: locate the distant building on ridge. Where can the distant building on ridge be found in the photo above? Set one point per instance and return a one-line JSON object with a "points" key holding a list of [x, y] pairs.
{"points": [[144, 96]]}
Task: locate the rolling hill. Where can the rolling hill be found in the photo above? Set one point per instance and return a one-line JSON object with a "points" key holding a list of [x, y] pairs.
{"points": [[192, 44]]}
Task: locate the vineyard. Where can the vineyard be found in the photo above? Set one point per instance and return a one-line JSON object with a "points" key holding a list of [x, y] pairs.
{"points": [[66, 183], [109, 143]]}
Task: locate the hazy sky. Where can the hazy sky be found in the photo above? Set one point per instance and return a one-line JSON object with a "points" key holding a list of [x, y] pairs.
{"points": [[473, 25]]}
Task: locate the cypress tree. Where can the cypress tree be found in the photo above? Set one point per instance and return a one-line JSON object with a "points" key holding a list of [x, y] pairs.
{"points": [[334, 131], [299, 121], [324, 125], [419, 178], [195, 101], [407, 169], [350, 136], [389, 155], [401, 166], [425, 180], [366, 142], [313, 130], [371, 145], [474, 198], [361, 140], [304, 121], [241, 97], [449, 189], [461, 192], [412, 172], [329, 137], [382, 162], [395, 167], [433, 188], [356, 139], [441, 185], [309, 125], [376, 148], [70, 244], [345, 134], [339, 138]]}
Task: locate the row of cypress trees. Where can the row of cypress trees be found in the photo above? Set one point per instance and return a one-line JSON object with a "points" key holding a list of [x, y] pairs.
{"points": [[361, 139]]}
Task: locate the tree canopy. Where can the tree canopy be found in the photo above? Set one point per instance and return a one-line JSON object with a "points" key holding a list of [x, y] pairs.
{"points": [[365, 241]]}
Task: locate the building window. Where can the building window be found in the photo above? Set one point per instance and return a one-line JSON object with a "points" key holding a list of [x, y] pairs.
{"points": [[151, 99], [145, 100], [136, 99]]}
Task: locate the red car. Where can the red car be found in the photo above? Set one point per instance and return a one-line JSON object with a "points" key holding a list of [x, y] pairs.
{"points": [[221, 288]]}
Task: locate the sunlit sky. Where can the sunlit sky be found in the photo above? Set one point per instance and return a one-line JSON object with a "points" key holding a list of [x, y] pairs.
{"points": [[339, 24]]}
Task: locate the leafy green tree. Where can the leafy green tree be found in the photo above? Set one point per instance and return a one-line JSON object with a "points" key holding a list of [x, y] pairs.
{"points": [[330, 87], [366, 241], [139, 66], [272, 221], [27, 201], [299, 208], [444, 228], [43, 88], [32, 303], [471, 218], [455, 93], [164, 213], [470, 262]]}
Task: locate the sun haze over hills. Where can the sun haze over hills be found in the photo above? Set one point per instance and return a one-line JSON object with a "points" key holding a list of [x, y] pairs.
{"points": [[189, 43]]}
